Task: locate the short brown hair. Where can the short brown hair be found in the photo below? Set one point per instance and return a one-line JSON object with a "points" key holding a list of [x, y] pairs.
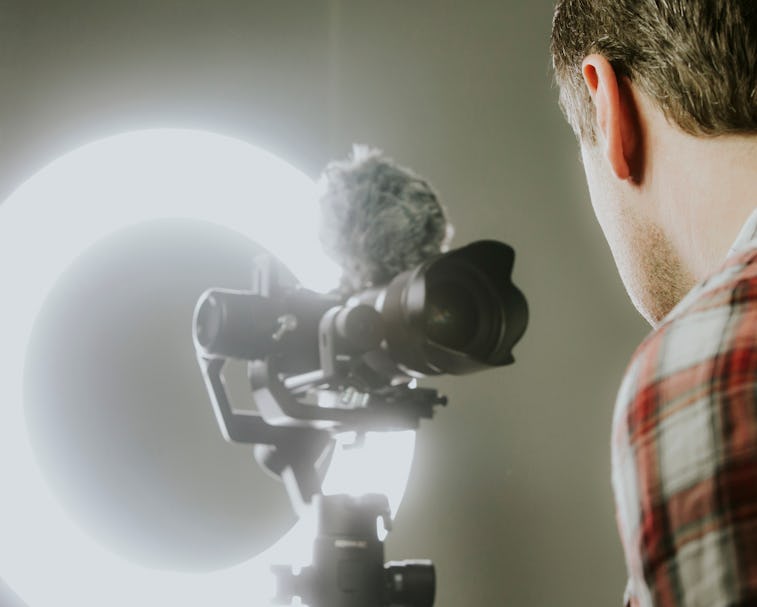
{"points": [[696, 59]]}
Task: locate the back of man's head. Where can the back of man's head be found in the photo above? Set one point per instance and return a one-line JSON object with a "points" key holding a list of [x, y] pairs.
{"points": [[696, 59]]}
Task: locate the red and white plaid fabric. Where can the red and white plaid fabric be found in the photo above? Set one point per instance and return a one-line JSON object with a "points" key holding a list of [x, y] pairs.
{"points": [[684, 446]]}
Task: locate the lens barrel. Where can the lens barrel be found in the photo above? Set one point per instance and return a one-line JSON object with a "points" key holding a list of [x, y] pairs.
{"points": [[457, 313]]}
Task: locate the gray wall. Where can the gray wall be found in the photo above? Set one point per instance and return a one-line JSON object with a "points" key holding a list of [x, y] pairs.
{"points": [[509, 493]]}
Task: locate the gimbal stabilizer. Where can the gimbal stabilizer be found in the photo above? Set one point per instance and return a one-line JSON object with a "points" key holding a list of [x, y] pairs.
{"points": [[319, 365]]}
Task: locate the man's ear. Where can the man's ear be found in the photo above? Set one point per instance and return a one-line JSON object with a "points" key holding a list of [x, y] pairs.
{"points": [[617, 116]]}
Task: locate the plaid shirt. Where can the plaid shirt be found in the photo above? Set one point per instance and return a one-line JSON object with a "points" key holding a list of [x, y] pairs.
{"points": [[684, 446]]}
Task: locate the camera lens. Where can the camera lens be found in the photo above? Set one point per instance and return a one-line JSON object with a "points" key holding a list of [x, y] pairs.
{"points": [[462, 312], [450, 315]]}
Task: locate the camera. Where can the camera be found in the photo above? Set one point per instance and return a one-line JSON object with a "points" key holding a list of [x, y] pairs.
{"points": [[456, 313]]}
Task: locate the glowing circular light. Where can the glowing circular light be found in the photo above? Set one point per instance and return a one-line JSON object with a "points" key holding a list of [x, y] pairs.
{"points": [[50, 220]]}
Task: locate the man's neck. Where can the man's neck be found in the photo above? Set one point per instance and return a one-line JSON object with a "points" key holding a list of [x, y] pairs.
{"points": [[709, 191]]}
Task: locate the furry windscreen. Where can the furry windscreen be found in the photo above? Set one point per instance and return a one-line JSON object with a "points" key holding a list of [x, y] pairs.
{"points": [[378, 219]]}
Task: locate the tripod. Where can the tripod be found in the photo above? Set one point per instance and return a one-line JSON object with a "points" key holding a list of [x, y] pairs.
{"points": [[348, 567]]}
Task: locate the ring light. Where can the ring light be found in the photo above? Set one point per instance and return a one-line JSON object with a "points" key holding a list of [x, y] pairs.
{"points": [[51, 219]]}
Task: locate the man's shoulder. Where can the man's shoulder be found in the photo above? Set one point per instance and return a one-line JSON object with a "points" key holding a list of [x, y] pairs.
{"points": [[684, 444], [707, 341]]}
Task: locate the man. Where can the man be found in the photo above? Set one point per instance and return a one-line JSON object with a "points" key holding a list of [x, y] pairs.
{"points": [[662, 95]]}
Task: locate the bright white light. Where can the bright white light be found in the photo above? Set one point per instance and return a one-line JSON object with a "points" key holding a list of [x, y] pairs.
{"points": [[379, 465], [68, 206]]}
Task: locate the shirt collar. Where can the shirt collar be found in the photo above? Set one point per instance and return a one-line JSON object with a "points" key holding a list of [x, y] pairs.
{"points": [[747, 238], [747, 234]]}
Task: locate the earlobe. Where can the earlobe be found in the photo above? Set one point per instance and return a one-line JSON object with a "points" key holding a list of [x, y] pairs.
{"points": [[616, 127]]}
